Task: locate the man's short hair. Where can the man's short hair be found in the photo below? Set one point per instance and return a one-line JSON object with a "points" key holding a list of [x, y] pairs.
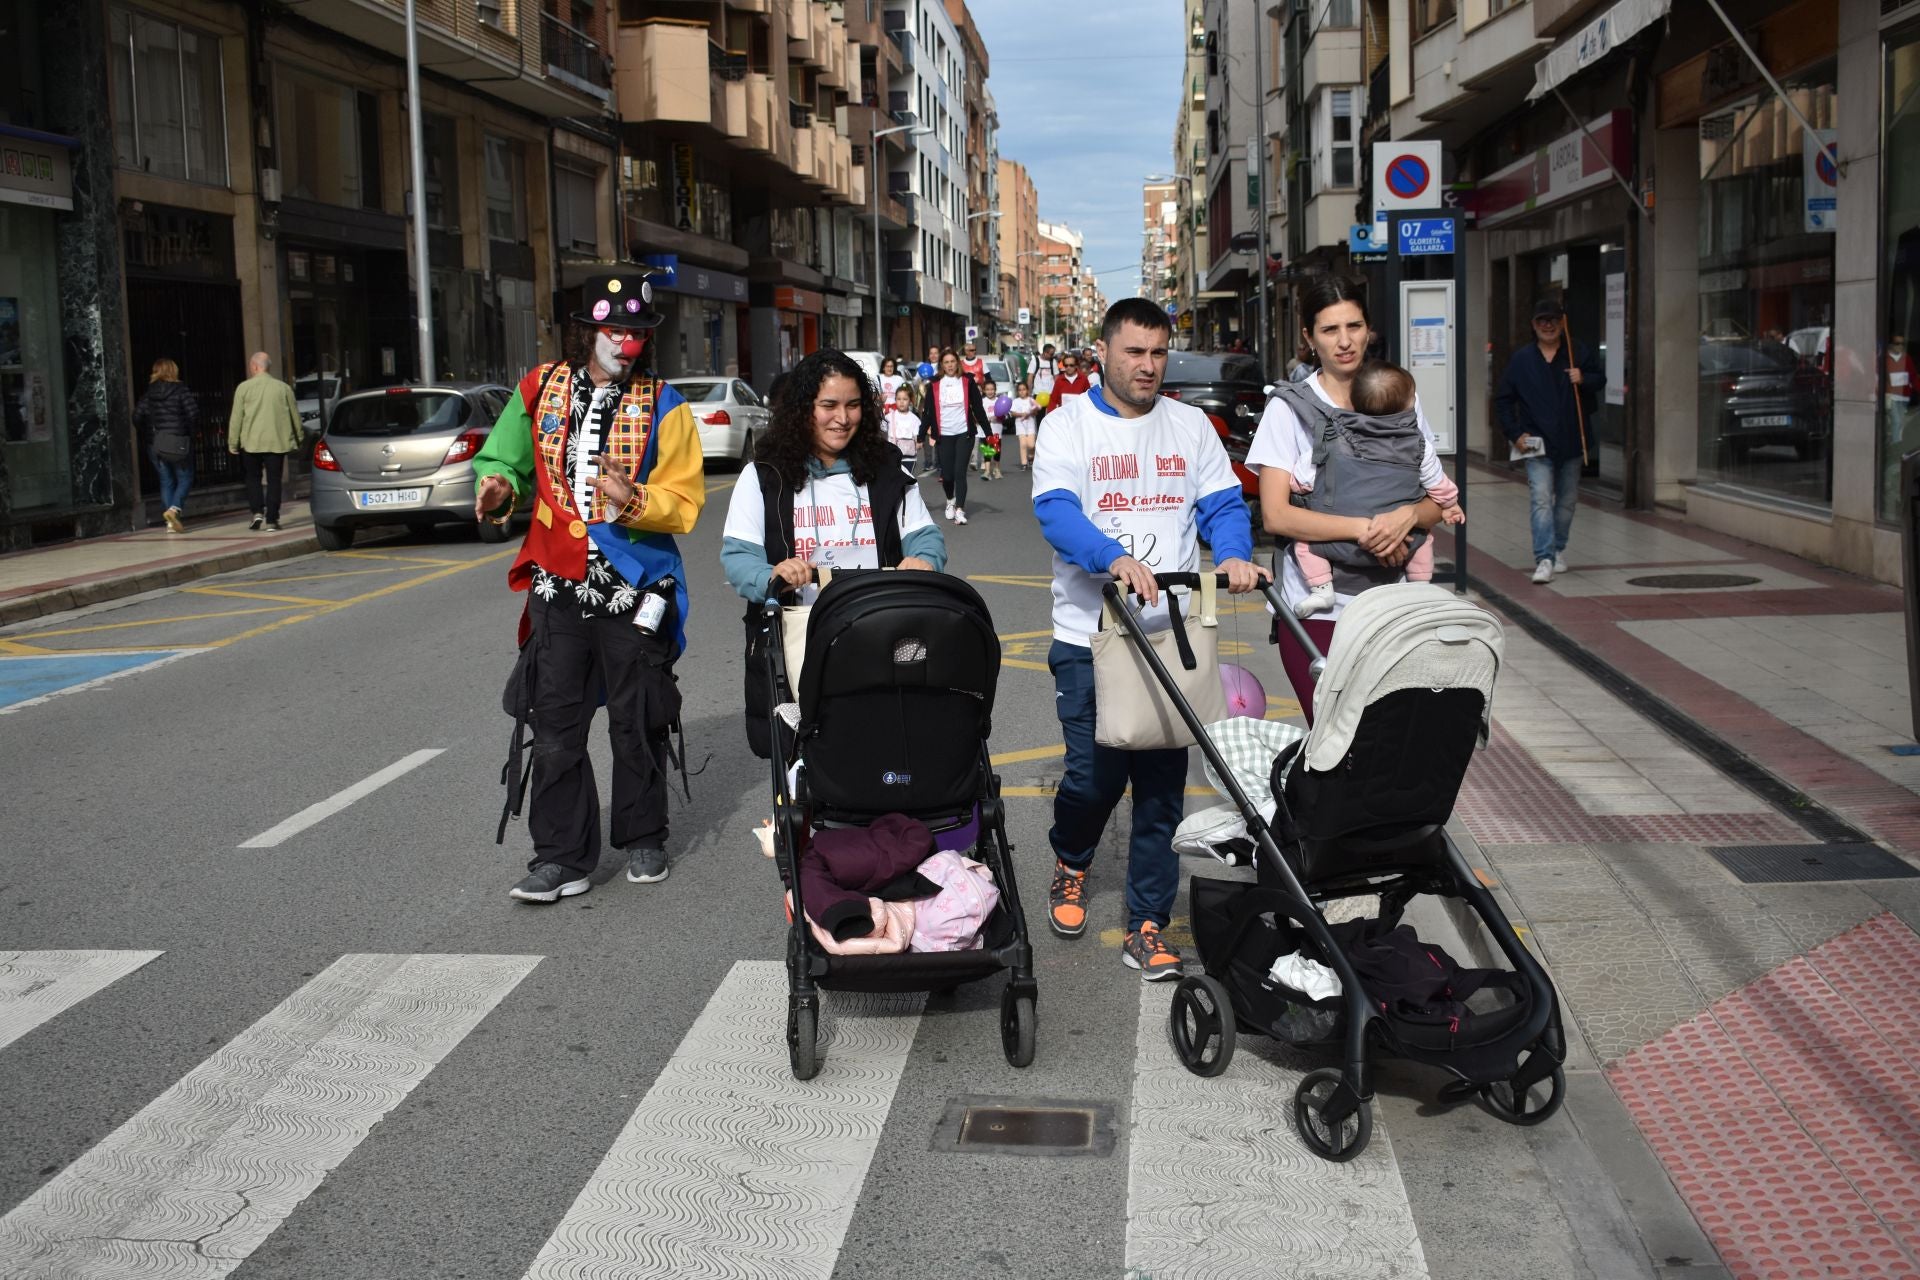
{"points": [[1140, 311], [1381, 388]]}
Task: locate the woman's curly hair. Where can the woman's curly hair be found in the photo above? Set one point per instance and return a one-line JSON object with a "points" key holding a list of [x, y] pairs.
{"points": [[788, 441]]}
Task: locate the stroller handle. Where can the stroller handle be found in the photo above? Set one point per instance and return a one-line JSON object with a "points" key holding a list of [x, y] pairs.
{"points": [[1268, 588]]}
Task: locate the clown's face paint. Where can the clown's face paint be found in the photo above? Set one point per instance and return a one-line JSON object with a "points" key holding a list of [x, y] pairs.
{"points": [[614, 350]]}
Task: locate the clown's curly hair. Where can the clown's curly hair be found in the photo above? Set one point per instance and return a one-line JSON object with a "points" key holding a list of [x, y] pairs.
{"points": [[789, 439]]}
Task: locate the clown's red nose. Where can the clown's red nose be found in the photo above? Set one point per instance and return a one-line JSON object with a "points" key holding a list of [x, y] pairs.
{"points": [[629, 348]]}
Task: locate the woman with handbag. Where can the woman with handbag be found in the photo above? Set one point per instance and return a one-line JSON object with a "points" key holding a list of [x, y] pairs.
{"points": [[955, 413], [826, 490], [1337, 330], [167, 415]]}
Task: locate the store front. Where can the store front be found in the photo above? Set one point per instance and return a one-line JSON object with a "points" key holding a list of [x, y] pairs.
{"points": [[35, 182], [785, 323], [1898, 428], [700, 333], [843, 321]]}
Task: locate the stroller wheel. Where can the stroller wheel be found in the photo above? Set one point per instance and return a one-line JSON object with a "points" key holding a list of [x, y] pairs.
{"points": [[1528, 1106], [1202, 1025], [1017, 1028], [1341, 1135], [803, 1047]]}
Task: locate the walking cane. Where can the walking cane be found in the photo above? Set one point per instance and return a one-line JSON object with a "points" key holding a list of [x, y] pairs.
{"points": [[1579, 413]]}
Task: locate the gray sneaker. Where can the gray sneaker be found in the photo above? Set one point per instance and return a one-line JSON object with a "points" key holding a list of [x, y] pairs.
{"points": [[550, 882], [648, 865]]}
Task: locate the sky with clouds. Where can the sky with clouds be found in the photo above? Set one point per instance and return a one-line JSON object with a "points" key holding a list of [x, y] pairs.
{"points": [[1087, 95]]}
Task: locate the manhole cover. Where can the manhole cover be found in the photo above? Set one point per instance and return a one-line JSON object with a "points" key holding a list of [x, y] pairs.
{"points": [[1784, 863], [1692, 581], [1026, 1126]]}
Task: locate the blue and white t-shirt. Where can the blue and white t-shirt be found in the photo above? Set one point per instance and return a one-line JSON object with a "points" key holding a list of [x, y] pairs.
{"points": [[1144, 487]]}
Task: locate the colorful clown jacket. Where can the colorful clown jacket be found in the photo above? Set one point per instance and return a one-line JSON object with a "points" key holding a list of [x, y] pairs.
{"points": [[651, 436]]}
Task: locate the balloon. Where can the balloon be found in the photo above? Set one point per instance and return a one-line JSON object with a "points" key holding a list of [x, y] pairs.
{"points": [[1245, 696]]}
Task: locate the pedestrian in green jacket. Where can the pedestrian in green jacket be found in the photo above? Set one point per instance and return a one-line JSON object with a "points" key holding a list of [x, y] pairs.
{"points": [[263, 428]]}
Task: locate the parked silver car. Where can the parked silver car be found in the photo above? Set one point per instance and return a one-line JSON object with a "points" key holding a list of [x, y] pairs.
{"points": [[402, 455], [729, 413]]}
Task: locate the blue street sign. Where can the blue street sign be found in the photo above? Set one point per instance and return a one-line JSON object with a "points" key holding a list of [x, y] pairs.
{"points": [[1422, 236], [1360, 238], [1173, 308]]}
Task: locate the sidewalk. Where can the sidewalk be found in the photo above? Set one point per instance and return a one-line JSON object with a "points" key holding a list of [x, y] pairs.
{"points": [[1730, 958], [71, 575]]}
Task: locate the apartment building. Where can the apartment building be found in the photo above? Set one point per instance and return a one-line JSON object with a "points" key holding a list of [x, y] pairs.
{"points": [[983, 175], [1018, 244], [1190, 252], [248, 183], [929, 274], [1159, 224], [738, 179], [1060, 318], [1226, 304]]}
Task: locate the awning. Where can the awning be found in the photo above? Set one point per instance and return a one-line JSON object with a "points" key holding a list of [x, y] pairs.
{"points": [[1596, 40]]}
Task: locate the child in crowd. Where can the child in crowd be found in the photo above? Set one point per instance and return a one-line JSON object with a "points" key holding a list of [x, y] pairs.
{"points": [[1380, 390], [996, 406], [903, 424], [1026, 412]]}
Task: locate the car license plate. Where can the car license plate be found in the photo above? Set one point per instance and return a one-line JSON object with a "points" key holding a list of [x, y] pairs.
{"points": [[391, 498], [1768, 420]]}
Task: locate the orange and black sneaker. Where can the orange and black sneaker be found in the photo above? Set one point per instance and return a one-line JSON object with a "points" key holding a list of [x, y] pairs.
{"points": [[1067, 901], [1148, 952]]}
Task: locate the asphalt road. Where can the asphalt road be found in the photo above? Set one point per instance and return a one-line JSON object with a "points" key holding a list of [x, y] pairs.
{"points": [[302, 1083]]}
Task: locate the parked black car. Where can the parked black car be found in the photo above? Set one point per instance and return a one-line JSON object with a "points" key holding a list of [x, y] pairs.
{"points": [[1761, 393], [1227, 386]]}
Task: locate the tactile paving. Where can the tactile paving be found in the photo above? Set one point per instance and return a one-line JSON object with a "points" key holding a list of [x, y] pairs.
{"points": [[1788, 1113]]}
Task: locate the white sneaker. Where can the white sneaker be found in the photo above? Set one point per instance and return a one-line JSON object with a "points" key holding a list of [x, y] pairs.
{"points": [[1543, 572], [949, 509], [959, 516], [1317, 600], [1559, 564]]}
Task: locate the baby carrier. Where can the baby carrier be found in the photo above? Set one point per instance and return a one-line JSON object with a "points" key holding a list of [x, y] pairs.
{"points": [[1362, 466]]}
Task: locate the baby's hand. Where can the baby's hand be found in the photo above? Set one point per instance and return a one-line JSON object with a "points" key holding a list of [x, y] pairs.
{"points": [[1453, 515]]}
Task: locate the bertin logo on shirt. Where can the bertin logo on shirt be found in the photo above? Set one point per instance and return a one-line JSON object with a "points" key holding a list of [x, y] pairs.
{"points": [[1171, 465], [1114, 466]]}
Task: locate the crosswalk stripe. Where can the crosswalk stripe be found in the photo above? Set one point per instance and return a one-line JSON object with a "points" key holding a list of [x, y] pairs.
{"points": [[731, 1167], [192, 1184], [36, 985], [1221, 1185]]}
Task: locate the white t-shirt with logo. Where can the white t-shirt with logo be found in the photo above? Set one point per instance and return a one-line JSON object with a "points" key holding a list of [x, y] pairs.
{"points": [[903, 427], [1138, 480], [832, 521], [952, 411], [1023, 410]]}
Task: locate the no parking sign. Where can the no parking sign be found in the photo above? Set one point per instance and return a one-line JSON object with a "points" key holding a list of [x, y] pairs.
{"points": [[1821, 183], [1406, 175]]}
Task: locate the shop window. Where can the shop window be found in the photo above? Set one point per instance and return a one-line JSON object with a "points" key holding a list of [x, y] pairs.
{"points": [[33, 424], [575, 220], [506, 190], [1766, 356], [169, 99], [323, 135], [1899, 418]]}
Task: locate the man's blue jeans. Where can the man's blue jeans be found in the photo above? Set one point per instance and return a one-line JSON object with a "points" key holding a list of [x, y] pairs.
{"points": [[1555, 490], [1097, 777], [175, 479]]}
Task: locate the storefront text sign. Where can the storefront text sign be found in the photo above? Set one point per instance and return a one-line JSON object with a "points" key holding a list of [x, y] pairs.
{"points": [[787, 298], [1564, 168], [35, 172]]}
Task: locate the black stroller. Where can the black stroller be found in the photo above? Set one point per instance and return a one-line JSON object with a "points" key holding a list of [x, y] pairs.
{"points": [[1361, 805], [893, 711]]}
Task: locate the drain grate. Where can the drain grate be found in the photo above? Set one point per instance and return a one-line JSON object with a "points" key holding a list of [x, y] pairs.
{"points": [[1788, 863], [1026, 1127], [1693, 581]]}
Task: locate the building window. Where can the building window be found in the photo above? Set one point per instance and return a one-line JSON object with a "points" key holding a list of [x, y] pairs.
{"points": [[1340, 13], [1765, 405], [575, 222], [506, 190], [169, 99], [1429, 15], [1340, 150], [327, 141]]}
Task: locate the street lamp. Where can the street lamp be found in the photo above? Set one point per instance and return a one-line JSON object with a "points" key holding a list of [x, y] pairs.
{"points": [[879, 287]]}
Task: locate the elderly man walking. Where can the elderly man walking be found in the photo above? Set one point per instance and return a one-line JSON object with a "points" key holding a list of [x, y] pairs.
{"points": [[263, 427]]}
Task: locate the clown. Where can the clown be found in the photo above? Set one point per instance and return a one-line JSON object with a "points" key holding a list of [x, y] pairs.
{"points": [[609, 460]]}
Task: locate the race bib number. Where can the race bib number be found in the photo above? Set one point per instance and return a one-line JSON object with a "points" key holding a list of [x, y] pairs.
{"points": [[1152, 539]]}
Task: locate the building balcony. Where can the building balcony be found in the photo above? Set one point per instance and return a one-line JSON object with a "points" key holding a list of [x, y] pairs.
{"points": [[1556, 17], [653, 65], [750, 6], [799, 17], [1463, 81], [509, 60], [1331, 58]]}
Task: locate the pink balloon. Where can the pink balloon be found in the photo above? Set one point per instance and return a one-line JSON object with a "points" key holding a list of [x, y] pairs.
{"points": [[1245, 696]]}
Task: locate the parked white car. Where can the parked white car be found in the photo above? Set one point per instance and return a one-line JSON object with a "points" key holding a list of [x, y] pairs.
{"points": [[730, 415]]}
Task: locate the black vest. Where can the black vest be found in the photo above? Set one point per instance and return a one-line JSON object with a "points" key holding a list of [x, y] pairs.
{"points": [[886, 493]]}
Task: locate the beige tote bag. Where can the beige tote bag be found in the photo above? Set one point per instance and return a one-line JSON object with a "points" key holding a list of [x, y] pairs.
{"points": [[1131, 710]]}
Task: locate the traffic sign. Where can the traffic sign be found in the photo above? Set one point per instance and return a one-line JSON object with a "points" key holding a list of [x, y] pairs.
{"points": [[1423, 236], [1406, 175], [973, 331], [1820, 184], [1026, 315], [1173, 308]]}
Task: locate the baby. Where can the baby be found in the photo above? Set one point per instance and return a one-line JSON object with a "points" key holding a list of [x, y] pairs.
{"points": [[1379, 390]]}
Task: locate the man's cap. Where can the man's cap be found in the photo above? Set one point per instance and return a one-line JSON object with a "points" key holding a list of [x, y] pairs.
{"points": [[1548, 309], [622, 299]]}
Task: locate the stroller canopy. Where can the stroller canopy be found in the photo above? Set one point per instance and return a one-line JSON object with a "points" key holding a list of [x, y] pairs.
{"points": [[1410, 635]]}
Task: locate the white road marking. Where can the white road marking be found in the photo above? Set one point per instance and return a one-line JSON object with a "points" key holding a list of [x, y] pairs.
{"points": [[36, 985], [333, 804], [730, 1167], [190, 1186], [1219, 1183]]}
